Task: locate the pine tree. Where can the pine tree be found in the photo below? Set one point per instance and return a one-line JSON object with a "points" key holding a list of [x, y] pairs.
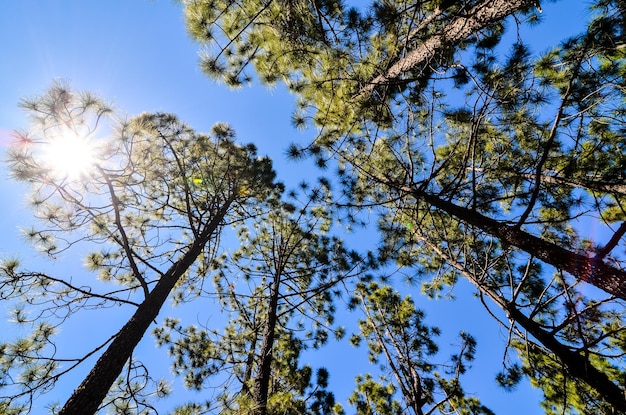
{"points": [[278, 284], [482, 157], [150, 207], [404, 346]]}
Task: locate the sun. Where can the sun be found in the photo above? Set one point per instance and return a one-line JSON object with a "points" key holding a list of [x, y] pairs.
{"points": [[70, 155]]}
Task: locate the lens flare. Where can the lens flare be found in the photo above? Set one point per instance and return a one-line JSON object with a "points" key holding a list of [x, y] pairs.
{"points": [[70, 155]]}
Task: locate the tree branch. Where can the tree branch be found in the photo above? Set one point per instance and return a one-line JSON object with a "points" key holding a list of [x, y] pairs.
{"points": [[476, 19], [118, 224], [604, 251], [577, 364]]}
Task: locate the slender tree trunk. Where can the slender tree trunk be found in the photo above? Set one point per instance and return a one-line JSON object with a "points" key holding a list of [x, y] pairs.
{"points": [[261, 389], [87, 398], [476, 19], [585, 268], [245, 386], [409, 380]]}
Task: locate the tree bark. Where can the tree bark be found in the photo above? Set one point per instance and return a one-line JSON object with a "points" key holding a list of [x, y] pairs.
{"points": [[478, 18], [261, 389], [87, 398], [590, 269]]}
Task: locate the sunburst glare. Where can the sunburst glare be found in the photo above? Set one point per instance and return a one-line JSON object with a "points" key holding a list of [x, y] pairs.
{"points": [[70, 155]]}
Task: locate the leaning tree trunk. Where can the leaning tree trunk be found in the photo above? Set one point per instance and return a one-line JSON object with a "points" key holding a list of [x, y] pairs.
{"points": [[478, 18], [591, 269], [87, 398], [576, 364]]}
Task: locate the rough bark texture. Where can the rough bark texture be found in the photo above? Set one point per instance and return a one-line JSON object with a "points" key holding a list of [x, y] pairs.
{"points": [[261, 390], [478, 18], [87, 398], [584, 267]]}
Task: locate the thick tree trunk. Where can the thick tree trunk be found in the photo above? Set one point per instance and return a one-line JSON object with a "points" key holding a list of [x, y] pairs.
{"points": [[478, 18], [87, 398], [584, 267], [261, 389]]}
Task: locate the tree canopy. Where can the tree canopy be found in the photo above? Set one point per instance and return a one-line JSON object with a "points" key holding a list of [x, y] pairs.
{"points": [[478, 159], [481, 157], [151, 209]]}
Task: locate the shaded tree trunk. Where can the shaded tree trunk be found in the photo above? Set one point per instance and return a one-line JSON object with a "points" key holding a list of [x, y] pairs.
{"points": [[261, 389], [590, 269], [87, 398]]}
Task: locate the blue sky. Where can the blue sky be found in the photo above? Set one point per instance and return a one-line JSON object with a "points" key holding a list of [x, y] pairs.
{"points": [[136, 54]]}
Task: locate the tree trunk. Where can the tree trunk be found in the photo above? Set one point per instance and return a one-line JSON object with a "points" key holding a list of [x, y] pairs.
{"points": [[584, 267], [576, 365], [261, 389], [478, 18], [408, 379], [87, 398]]}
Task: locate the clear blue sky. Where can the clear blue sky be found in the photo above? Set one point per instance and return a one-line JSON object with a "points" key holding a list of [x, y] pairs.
{"points": [[136, 54]]}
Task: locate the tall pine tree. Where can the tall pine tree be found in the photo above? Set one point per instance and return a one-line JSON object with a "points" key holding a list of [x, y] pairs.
{"points": [[150, 206], [278, 289], [483, 158]]}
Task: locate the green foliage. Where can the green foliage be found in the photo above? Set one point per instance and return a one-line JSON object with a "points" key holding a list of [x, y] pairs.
{"points": [[372, 398], [466, 149], [562, 393], [525, 142], [278, 290], [150, 206], [123, 398], [399, 341]]}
